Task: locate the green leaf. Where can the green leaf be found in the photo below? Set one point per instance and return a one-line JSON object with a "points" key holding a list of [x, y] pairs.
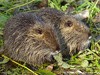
{"points": [[45, 72], [58, 58], [65, 65], [3, 19], [4, 61], [85, 63], [64, 7]]}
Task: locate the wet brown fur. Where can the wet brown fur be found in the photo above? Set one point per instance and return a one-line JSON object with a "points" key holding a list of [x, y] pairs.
{"points": [[34, 37]]}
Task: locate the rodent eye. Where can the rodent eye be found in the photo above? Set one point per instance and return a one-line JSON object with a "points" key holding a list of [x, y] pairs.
{"points": [[39, 31], [68, 23]]}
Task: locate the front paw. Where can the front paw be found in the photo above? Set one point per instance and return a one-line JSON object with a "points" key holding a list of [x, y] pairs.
{"points": [[54, 53]]}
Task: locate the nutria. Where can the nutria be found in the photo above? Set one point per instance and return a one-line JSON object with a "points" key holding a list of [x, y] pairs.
{"points": [[34, 37], [72, 34]]}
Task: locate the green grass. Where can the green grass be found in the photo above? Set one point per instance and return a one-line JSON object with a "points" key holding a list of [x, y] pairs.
{"points": [[86, 61]]}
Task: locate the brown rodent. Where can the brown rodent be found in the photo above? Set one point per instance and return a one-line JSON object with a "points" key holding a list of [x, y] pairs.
{"points": [[35, 37]]}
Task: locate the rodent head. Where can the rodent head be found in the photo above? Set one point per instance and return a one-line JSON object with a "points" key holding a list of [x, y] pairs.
{"points": [[43, 33], [75, 34]]}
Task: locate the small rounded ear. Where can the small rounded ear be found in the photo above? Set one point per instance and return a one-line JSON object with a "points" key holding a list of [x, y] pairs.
{"points": [[82, 15], [68, 23]]}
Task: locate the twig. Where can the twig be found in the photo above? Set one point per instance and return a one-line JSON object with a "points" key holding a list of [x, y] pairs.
{"points": [[19, 6], [20, 65]]}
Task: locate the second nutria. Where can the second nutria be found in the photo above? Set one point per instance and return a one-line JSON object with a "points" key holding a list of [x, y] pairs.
{"points": [[35, 37], [72, 34]]}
